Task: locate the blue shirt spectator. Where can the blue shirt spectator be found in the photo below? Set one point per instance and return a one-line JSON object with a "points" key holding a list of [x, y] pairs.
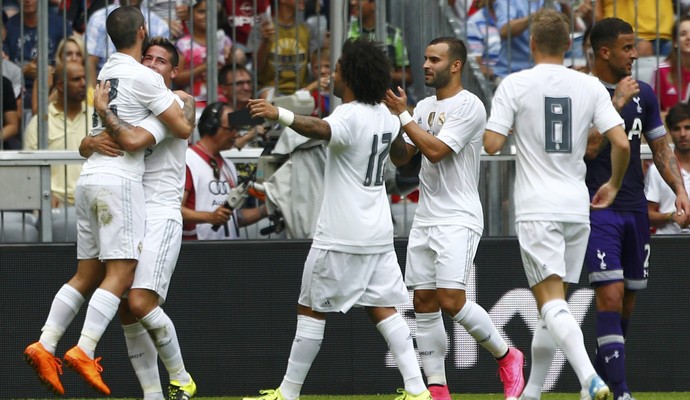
{"points": [[513, 16], [98, 44], [484, 39]]}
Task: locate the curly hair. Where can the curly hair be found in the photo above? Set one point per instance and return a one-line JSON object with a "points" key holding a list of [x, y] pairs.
{"points": [[366, 70]]}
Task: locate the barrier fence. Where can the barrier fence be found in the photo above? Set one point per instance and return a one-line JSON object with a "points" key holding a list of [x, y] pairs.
{"points": [[234, 309]]}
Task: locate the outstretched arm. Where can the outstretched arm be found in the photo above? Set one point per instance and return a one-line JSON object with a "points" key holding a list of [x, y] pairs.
{"points": [[311, 127]]}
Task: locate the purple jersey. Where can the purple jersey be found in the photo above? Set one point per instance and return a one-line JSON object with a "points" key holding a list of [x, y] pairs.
{"points": [[641, 116]]}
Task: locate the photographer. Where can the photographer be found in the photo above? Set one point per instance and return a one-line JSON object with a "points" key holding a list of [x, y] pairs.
{"points": [[210, 178]]}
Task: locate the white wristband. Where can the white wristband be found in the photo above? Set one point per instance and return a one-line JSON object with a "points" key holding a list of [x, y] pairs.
{"points": [[405, 118], [285, 116]]}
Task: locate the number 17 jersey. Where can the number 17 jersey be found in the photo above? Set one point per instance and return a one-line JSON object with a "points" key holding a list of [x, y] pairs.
{"points": [[550, 109]]}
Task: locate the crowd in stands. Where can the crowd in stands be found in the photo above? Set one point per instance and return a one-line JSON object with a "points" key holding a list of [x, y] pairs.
{"points": [[262, 49]]}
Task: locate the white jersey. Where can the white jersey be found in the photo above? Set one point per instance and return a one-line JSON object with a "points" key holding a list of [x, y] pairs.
{"points": [[355, 214], [657, 191], [550, 109], [448, 189], [135, 92], [165, 173]]}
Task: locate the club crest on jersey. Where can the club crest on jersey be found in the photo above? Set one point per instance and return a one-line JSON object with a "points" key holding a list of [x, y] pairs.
{"points": [[441, 119], [430, 120], [601, 255], [637, 101]]}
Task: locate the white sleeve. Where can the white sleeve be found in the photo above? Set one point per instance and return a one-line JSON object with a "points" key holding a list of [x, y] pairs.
{"points": [[503, 108], [652, 184], [152, 93], [155, 127]]}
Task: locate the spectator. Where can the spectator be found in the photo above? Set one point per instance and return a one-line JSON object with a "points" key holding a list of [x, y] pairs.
{"points": [[66, 128], [241, 20], [235, 82], [210, 178], [23, 50], [70, 49], [173, 12], [646, 27], [193, 48], [320, 87], [77, 11], [317, 23], [10, 117], [10, 70], [283, 53], [483, 37], [661, 201], [672, 77], [98, 44], [363, 23]]}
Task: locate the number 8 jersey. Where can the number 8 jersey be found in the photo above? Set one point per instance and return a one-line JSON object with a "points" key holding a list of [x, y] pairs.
{"points": [[550, 109]]}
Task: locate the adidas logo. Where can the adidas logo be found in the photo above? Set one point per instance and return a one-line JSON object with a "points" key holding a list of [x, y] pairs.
{"points": [[326, 304]]}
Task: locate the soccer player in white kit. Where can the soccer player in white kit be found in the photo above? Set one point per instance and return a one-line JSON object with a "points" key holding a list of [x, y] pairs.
{"points": [[550, 109], [141, 316], [110, 209], [352, 261], [447, 129]]}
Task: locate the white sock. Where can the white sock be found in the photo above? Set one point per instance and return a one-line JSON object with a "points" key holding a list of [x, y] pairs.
{"points": [[64, 308], [144, 358], [162, 330], [431, 346], [305, 347], [543, 350], [397, 335], [102, 308], [479, 325], [567, 335]]}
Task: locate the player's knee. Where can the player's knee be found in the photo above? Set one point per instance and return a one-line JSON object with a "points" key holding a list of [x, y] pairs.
{"points": [[141, 303], [425, 301], [610, 297]]}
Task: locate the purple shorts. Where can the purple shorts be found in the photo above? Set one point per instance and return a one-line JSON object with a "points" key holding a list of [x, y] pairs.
{"points": [[618, 248]]}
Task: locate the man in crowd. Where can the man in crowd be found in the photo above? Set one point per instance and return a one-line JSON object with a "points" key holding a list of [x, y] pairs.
{"points": [[66, 128]]}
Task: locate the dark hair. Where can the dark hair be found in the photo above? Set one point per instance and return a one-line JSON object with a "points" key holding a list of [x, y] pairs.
{"points": [[677, 113], [167, 45], [606, 32], [456, 48], [209, 121], [122, 26], [227, 68], [675, 77], [366, 70]]}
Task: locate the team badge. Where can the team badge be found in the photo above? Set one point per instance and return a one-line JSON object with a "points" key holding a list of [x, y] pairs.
{"points": [[430, 120], [441, 119]]}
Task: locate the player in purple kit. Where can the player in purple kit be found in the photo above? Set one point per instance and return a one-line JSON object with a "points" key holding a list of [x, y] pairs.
{"points": [[618, 250]]}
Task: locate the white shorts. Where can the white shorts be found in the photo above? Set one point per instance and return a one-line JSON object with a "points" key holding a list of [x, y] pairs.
{"points": [[552, 248], [440, 256], [335, 282], [158, 256], [110, 217]]}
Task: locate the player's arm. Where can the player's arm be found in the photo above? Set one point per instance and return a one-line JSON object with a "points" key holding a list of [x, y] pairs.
{"points": [[432, 147], [595, 144], [401, 152], [620, 157], [311, 127], [130, 138], [658, 219], [665, 161], [101, 143], [180, 120], [493, 141]]}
